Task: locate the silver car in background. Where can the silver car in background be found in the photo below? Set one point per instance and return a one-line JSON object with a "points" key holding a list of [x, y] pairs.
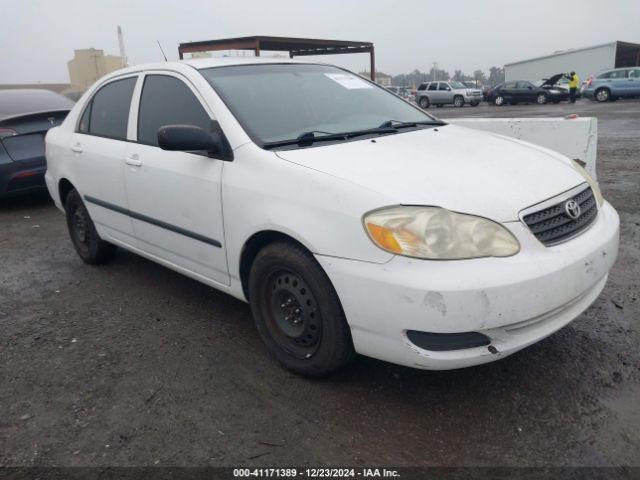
{"points": [[444, 93]]}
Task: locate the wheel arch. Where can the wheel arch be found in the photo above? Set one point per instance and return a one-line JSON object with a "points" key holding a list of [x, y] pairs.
{"points": [[252, 247], [64, 187]]}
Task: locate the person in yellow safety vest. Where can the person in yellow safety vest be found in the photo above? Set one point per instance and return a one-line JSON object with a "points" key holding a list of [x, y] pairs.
{"points": [[574, 81]]}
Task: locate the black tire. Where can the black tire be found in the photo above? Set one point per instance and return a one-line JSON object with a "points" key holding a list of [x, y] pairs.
{"points": [[297, 311], [499, 100], [541, 99], [90, 247], [602, 95], [475, 104], [458, 101], [424, 103]]}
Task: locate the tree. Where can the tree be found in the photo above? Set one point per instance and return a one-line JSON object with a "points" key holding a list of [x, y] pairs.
{"points": [[496, 76], [458, 75], [479, 77]]}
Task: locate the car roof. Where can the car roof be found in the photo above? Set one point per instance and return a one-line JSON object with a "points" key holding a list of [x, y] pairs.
{"points": [[20, 102]]}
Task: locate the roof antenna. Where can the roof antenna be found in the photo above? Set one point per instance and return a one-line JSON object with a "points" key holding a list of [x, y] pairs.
{"points": [[165, 57]]}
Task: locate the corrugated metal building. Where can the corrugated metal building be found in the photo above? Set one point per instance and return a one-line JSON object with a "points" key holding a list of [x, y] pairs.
{"points": [[584, 61]]}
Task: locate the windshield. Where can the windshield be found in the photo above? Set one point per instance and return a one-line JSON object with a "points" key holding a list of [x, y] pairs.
{"points": [[277, 102], [455, 84]]}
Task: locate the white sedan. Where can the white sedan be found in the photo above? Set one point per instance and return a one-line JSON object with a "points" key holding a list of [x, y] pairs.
{"points": [[349, 219]]}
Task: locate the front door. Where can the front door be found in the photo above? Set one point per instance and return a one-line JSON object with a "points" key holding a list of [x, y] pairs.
{"points": [[175, 197]]}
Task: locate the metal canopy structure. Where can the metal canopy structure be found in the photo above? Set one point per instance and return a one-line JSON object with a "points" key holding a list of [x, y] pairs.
{"points": [[296, 47]]}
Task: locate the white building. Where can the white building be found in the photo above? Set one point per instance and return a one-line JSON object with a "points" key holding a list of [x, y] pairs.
{"points": [[584, 61]]}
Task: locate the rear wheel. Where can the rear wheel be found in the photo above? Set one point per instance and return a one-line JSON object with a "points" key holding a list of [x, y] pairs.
{"points": [[91, 248], [475, 104], [499, 100], [603, 95], [424, 102], [297, 311], [541, 99], [458, 101]]}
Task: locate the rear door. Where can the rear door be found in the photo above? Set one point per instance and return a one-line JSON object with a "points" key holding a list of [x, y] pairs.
{"points": [[509, 91], [98, 149], [175, 198], [620, 84], [432, 91], [634, 81]]}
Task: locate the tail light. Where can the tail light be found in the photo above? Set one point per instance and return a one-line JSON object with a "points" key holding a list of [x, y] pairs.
{"points": [[7, 132], [589, 82]]}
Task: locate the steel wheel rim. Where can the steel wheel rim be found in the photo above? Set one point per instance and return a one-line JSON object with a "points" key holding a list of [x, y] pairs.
{"points": [[541, 99], [602, 95], [499, 100], [292, 315], [457, 102]]}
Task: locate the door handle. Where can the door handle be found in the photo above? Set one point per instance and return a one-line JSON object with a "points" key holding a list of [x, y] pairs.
{"points": [[77, 148], [134, 161]]}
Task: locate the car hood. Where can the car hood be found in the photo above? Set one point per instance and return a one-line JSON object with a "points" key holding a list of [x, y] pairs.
{"points": [[550, 82], [457, 168]]}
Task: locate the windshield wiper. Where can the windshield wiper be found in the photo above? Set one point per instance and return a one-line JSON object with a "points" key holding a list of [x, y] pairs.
{"points": [[308, 138], [398, 124]]}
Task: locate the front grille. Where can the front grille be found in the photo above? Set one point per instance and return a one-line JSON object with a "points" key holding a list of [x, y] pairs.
{"points": [[554, 225]]}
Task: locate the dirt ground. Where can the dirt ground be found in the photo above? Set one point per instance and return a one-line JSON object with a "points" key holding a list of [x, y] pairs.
{"points": [[133, 364]]}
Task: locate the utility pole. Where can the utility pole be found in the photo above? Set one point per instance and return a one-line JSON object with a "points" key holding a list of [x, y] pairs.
{"points": [[123, 55]]}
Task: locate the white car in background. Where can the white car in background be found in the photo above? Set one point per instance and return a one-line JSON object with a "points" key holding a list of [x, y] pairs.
{"points": [[349, 219]]}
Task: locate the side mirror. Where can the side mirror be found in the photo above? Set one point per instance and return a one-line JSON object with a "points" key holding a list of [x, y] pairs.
{"points": [[190, 138]]}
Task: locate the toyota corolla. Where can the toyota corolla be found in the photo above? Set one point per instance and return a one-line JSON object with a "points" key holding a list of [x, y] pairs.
{"points": [[349, 219]]}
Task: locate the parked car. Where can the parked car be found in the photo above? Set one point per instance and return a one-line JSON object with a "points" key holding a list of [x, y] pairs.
{"points": [[557, 82], [349, 219], [614, 84], [25, 117], [443, 93], [523, 91]]}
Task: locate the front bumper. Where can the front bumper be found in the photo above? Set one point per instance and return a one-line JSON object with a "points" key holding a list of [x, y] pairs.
{"points": [[515, 301]]}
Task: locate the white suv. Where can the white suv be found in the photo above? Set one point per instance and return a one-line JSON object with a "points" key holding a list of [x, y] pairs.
{"points": [[349, 219], [444, 93]]}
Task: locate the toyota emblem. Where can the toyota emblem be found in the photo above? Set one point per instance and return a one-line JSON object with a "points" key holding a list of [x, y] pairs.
{"points": [[572, 208]]}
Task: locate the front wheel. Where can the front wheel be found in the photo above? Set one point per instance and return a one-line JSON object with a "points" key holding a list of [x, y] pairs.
{"points": [[424, 102], [541, 99], [91, 248], [458, 101], [499, 100], [297, 311], [603, 95]]}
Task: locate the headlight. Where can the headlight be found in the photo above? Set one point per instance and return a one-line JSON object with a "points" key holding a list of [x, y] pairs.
{"points": [[595, 188], [438, 234]]}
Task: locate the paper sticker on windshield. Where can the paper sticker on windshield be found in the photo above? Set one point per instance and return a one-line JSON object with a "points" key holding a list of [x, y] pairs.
{"points": [[348, 81]]}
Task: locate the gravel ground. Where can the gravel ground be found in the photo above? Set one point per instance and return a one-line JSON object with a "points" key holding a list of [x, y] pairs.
{"points": [[133, 364]]}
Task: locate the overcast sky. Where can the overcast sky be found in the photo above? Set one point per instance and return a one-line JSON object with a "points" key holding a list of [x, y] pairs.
{"points": [[37, 37]]}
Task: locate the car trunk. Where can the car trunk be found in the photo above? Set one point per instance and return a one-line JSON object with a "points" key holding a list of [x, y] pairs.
{"points": [[23, 136]]}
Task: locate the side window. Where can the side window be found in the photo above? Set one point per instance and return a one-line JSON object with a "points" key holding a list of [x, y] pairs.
{"points": [[604, 75], [83, 126], [510, 85], [423, 86], [619, 74], [522, 84], [108, 113], [167, 101], [433, 86], [635, 73], [444, 86]]}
